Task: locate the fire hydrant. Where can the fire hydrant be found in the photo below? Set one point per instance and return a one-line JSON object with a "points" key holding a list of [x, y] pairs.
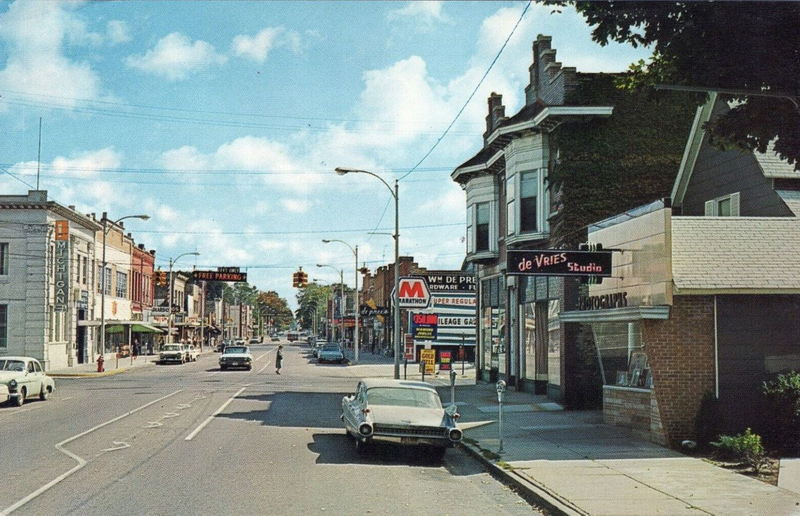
{"points": [[100, 361]]}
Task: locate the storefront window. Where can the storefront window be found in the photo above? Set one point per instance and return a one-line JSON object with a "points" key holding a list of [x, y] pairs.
{"points": [[623, 361], [529, 338], [553, 343], [499, 340]]}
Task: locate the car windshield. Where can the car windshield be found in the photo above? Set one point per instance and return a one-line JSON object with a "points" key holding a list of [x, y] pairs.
{"points": [[236, 349], [403, 397], [12, 365], [171, 347], [331, 347]]}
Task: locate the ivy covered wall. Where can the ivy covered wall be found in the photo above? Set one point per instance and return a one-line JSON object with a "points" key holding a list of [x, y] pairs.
{"points": [[606, 166]]}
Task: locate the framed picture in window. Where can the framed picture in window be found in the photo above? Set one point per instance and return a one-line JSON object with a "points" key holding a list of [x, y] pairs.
{"points": [[622, 378], [638, 362]]}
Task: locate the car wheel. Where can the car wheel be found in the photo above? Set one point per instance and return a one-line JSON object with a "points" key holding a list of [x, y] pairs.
{"points": [[361, 447], [436, 454], [222, 367], [44, 393], [250, 368], [20, 400]]}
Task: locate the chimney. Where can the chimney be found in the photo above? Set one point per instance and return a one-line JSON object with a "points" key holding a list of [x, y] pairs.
{"points": [[497, 113]]}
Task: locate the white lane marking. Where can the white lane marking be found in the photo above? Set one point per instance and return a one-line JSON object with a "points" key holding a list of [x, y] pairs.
{"points": [[153, 424], [169, 415], [183, 406], [119, 446], [81, 462], [262, 356], [212, 416], [265, 366], [65, 399]]}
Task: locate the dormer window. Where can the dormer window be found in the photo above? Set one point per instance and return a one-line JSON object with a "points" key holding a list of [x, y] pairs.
{"points": [[725, 206]]}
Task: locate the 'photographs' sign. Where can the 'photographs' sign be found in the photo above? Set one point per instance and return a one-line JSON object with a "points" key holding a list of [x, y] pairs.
{"points": [[551, 262]]}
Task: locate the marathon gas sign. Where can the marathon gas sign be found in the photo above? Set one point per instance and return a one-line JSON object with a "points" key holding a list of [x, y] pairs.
{"points": [[557, 262]]}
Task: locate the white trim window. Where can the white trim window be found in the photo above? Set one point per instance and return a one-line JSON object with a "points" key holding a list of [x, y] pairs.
{"points": [[483, 226], [4, 326], [724, 206], [122, 285], [529, 202], [3, 258]]}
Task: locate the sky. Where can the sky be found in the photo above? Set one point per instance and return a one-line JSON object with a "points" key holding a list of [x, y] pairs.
{"points": [[223, 121]]}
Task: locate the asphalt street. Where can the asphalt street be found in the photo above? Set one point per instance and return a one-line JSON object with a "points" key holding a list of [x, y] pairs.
{"points": [[191, 439]]}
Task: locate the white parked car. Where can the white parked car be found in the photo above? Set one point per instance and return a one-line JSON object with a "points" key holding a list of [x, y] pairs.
{"points": [[400, 411], [22, 378], [192, 353]]}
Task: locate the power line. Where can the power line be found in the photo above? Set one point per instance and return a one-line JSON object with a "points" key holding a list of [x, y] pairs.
{"points": [[307, 232], [491, 65]]}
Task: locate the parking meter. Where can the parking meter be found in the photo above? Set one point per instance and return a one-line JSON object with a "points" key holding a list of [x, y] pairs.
{"points": [[422, 369], [501, 389], [452, 386]]}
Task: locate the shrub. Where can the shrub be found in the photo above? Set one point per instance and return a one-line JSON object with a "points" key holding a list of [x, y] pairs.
{"points": [[745, 448], [707, 421], [783, 400]]}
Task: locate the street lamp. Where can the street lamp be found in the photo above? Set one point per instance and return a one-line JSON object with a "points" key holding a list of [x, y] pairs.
{"points": [[341, 296], [356, 333], [171, 286], [103, 279], [396, 305]]}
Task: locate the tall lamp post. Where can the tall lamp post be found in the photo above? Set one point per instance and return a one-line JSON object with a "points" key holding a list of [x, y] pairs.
{"points": [[341, 296], [103, 279], [356, 333], [171, 286], [396, 305]]}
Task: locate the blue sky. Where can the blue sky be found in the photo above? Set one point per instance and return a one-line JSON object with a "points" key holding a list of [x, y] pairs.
{"points": [[223, 121]]}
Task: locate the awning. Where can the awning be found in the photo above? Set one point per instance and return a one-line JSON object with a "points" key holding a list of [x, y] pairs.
{"points": [[626, 314], [138, 327]]}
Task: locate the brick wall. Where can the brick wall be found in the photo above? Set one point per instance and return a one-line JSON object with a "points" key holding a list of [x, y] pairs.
{"points": [[632, 408], [680, 353]]}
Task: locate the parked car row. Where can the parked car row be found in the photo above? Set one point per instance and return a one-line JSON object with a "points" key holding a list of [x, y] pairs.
{"points": [[22, 378], [178, 353]]}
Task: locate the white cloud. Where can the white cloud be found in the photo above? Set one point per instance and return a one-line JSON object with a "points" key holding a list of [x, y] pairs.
{"points": [[422, 14], [296, 205], [87, 164], [35, 33], [117, 32], [175, 56], [259, 46]]}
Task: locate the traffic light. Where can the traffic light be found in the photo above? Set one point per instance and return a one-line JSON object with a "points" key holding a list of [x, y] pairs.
{"points": [[300, 279], [161, 278]]}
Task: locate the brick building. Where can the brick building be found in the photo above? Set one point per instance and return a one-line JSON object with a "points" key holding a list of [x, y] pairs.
{"points": [[704, 300]]}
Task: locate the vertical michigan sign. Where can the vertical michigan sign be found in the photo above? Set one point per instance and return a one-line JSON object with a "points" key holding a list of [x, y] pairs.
{"points": [[61, 266]]}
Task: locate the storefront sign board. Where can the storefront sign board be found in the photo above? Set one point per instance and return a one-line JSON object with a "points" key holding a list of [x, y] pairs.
{"points": [[559, 262]]}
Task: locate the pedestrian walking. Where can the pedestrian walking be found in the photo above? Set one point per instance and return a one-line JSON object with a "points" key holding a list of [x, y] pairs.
{"points": [[278, 360]]}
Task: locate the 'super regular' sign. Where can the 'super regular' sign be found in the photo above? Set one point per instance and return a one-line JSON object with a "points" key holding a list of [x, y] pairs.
{"points": [[559, 262]]}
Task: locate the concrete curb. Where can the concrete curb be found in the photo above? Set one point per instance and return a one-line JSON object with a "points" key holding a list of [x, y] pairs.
{"points": [[530, 490], [93, 374]]}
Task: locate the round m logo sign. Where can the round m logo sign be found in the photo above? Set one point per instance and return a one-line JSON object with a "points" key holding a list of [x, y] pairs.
{"points": [[414, 293]]}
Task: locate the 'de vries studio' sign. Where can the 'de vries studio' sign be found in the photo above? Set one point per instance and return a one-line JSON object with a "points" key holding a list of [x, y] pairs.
{"points": [[552, 262]]}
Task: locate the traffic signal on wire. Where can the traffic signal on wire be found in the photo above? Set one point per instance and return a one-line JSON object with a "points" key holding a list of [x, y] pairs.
{"points": [[296, 280]]}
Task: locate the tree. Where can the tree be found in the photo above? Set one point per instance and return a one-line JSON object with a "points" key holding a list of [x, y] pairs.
{"points": [[742, 46], [271, 307], [312, 300]]}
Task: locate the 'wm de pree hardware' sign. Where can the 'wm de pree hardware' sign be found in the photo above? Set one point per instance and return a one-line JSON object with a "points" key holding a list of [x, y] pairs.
{"points": [[552, 262]]}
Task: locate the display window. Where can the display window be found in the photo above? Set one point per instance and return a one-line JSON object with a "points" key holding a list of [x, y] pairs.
{"points": [[621, 354]]}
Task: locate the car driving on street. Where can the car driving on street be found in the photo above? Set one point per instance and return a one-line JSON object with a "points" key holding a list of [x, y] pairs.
{"points": [[23, 377], [400, 411], [172, 353], [236, 356], [192, 353]]}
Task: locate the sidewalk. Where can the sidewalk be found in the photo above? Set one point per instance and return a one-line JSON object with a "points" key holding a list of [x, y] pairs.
{"points": [[111, 367], [572, 463]]}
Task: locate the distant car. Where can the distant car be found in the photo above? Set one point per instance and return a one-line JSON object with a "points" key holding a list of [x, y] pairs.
{"points": [[317, 347], [254, 340], [23, 377], [221, 345], [236, 356], [275, 338], [330, 353], [172, 353], [400, 411], [192, 353]]}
